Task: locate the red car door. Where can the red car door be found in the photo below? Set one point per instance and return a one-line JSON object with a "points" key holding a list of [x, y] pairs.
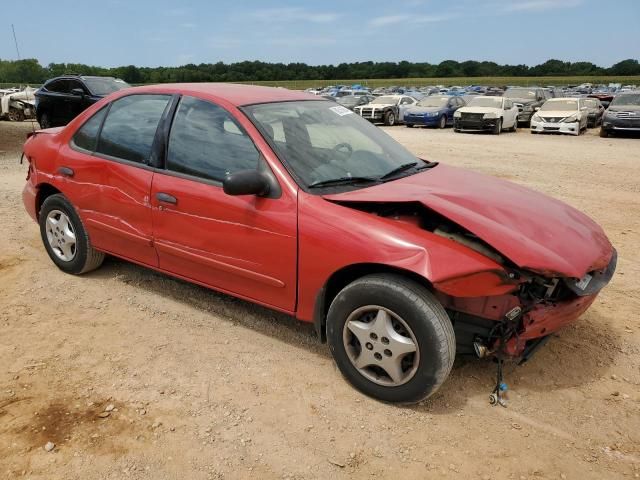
{"points": [[245, 245], [105, 173]]}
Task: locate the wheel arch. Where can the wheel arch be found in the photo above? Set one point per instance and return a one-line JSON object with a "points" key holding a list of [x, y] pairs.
{"points": [[343, 277], [45, 190]]}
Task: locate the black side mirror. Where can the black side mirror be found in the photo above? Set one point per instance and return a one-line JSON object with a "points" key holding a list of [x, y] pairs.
{"points": [[246, 182], [78, 92]]}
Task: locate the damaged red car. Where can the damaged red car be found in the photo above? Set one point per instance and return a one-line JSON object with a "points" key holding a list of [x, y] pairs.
{"points": [[295, 203]]}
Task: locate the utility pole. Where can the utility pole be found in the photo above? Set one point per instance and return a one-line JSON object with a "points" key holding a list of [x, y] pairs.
{"points": [[15, 40]]}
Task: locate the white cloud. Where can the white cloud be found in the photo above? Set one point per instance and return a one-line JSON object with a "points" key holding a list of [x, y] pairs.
{"points": [[541, 5], [294, 15], [385, 20]]}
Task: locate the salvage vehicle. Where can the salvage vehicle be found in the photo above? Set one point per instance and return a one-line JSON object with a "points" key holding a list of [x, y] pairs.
{"points": [[527, 100], [487, 114], [561, 115], [17, 105], [296, 203], [595, 111], [623, 114], [63, 98], [389, 109], [433, 111]]}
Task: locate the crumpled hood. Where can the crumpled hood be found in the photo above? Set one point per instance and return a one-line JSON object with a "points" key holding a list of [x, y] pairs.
{"points": [[479, 110], [557, 113], [535, 232], [421, 110]]}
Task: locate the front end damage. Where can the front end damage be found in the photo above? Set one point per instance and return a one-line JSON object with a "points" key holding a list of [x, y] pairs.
{"points": [[507, 312]]}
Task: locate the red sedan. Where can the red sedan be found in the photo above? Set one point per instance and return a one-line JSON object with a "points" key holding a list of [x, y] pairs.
{"points": [[295, 203]]}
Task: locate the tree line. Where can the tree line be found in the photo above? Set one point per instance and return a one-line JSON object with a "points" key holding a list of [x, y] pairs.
{"points": [[30, 71]]}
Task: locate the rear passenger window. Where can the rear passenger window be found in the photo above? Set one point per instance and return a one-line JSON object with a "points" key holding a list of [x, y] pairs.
{"points": [[87, 136], [207, 142], [130, 127]]}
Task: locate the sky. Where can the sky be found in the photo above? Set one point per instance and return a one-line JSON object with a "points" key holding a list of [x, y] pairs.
{"points": [[160, 32]]}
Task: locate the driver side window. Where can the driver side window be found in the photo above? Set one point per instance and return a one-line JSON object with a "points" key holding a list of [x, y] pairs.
{"points": [[207, 142]]}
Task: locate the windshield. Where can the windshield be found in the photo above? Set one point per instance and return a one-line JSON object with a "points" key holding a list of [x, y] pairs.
{"points": [[433, 102], [386, 100], [350, 100], [321, 141], [520, 93], [627, 99], [559, 105], [493, 102], [105, 86]]}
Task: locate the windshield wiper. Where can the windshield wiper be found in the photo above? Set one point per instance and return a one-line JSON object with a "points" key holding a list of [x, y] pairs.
{"points": [[343, 181], [400, 169], [407, 166]]}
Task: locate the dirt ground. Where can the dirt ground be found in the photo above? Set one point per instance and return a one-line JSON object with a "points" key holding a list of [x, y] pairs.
{"points": [[204, 386]]}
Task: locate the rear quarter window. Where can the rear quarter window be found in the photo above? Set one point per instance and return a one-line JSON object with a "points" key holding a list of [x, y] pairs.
{"points": [[86, 137]]}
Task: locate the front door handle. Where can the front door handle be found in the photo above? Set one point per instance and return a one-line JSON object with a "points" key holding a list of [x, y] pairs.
{"points": [[166, 198], [66, 171]]}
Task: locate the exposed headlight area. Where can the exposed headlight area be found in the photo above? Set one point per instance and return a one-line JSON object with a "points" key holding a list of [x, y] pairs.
{"points": [[490, 115], [571, 118]]}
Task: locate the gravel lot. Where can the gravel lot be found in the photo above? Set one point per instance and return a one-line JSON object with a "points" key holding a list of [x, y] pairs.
{"points": [[203, 386]]}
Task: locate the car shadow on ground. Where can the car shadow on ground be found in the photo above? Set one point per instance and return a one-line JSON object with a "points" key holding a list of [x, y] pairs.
{"points": [[578, 355]]}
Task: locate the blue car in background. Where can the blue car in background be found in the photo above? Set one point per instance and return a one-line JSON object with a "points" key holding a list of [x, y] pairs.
{"points": [[433, 111]]}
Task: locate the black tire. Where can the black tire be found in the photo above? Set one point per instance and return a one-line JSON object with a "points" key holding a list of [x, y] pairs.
{"points": [[45, 121], [86, 258], [442, 123], [498, 128], [419, 309], [603, 132], [389, 118], [409, 125], [515, 126], [15, 115]]}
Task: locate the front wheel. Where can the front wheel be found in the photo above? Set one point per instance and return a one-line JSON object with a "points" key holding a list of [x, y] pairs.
{"points": [[603, 132], [389, 118], [391, 338], [409, 125], [65, 238], [443, 122], [498, 128], [15, 115]]}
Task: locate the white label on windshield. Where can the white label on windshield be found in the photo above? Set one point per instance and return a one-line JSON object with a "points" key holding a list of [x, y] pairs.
{"points": [[340, 110]]}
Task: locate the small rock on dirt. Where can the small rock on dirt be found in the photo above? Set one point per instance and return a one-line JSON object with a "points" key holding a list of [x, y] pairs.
{"points": [[49, 446]]}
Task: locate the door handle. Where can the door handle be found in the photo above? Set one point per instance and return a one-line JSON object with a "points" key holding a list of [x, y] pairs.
{"points": [[66, 171], [166, 198]]}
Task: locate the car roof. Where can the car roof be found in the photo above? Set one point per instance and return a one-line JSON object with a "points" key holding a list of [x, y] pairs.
{"points": [[234, 93]]}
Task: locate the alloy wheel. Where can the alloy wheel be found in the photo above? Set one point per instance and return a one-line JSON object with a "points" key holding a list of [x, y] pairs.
{"points": [[61, 235], [381, 345]]}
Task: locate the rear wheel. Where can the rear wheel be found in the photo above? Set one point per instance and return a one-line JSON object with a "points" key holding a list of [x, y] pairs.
{"points": [[389, 118], [391, 338], [45, 121], [65, 238]]}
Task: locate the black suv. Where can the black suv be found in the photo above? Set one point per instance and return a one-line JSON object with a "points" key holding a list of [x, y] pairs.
{"points": [[527, 99], [61, 99], [623, 115]]}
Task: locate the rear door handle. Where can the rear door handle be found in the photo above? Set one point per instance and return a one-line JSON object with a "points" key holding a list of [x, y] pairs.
{"points": [[66, 171], [166, 198]]}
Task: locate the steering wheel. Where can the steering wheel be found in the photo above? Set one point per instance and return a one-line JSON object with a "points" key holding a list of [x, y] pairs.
{"points": [[347, 148]]}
